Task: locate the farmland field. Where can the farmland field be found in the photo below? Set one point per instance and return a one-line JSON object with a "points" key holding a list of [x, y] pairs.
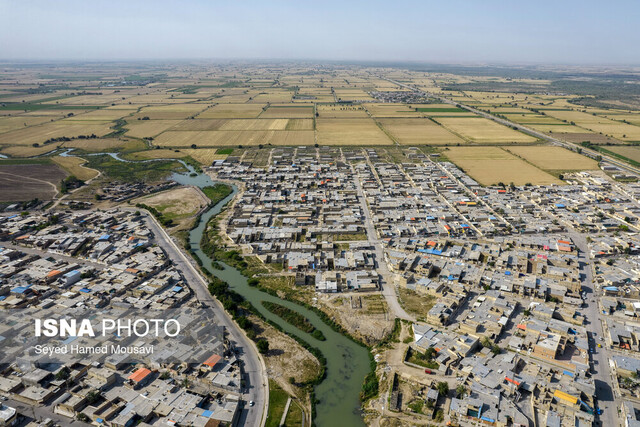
{"points": [[341, 111], [28, 181], [492, 165], [231, 138], [74, 165], [350, 132], [629, 151], [232, 111], [148, 128], [39, 134], [554, 158], [292, 111], [478, 129], [418, 131]]}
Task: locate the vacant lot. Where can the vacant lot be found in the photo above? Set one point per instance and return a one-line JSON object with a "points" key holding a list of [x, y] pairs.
{"points": [[74, 165], [554, 158], [26, 182], [418, 131], [479, 129], [234, 138], [350, 132], [176, 204], [492, 165]]}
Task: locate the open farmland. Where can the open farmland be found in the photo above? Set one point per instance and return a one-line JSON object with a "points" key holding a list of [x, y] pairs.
{"points": [[340, 111], [629, 151], [418, 131], [74, 165], [232, 111], [104, 144], [39, 134], [350, 132], [292, 111], [233, 138], [167, 112], [19, 182], [615, 129], [148, 128], [492, 165], [554, 158], [478, 129], [391, 110]]}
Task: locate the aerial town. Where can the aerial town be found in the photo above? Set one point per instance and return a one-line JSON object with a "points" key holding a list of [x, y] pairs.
{"points": [[291, 244]]}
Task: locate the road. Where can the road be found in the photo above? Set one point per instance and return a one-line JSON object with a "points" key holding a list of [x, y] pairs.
{"points": [[257, 385], [388, 288], [603, 377], [528, 131]]}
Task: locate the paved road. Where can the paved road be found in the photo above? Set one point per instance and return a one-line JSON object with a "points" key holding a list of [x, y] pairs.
{"points": [[603, 377], [257, 388], [388, 288]]}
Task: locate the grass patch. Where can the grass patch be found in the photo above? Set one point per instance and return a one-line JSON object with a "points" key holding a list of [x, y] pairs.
{"points": [[217, 192], [227, 151], [422, 359], [133, 172], [277, 401], [415, 303], [294, 416]]}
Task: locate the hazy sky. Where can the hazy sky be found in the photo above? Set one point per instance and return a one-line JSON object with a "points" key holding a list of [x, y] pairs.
{"points": [[558, 31]]}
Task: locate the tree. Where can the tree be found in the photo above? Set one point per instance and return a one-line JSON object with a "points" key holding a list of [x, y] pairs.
{"points": [[194, 146], [443, 388], [263, 346], [461, 391]]}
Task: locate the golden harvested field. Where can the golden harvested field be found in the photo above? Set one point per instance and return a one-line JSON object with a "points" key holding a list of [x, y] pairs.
{"points": [[350, 132], [391, 110], [20, 122], [105, 144], [73, 165], [28, 150], [492, 165], [418, 131], [553, 158], [164, 112], [205, 156], [148, 128], [352, 95], [527, 119], [102, 114], [479, 129], [300, 124], [622, 131], [162, 153], [231, 138], [288, 111], [281, 96], [557, 129], [341, 111], [232, 111], [40, 133], [629, 151]]}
